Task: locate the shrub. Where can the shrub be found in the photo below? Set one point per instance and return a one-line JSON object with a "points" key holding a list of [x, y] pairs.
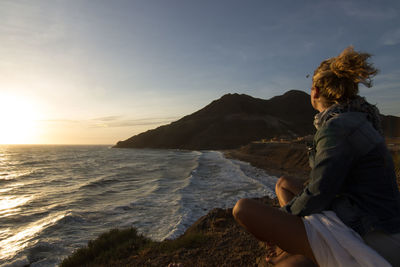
{"points": [[112, 245]]}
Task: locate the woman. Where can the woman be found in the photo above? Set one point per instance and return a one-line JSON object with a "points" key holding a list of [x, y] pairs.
{"points": [[352, 198]]}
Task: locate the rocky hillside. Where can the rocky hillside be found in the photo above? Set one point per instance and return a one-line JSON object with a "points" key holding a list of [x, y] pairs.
{"points": [[232, 121], [391, 126], [235, 120]]}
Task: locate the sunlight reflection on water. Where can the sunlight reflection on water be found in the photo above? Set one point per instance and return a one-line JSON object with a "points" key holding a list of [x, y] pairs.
{"points": [[11, 245], [15, 175], [60, 197], [10, 203], [11, 187]]}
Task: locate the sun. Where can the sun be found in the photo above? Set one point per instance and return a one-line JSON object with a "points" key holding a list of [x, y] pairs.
{"points": [[17, 120]]}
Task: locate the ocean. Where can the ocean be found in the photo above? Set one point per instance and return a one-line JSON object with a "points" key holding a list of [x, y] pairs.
{"points": [[54, 199]]}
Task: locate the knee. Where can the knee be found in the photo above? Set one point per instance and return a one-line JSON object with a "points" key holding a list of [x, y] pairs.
{"points": [[240, 208]]}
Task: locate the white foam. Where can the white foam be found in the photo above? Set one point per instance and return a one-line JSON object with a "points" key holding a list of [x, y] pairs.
{"points": [[219, 182], [160, 192]]}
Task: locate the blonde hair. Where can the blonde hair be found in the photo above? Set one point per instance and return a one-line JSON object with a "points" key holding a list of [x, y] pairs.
{"points": [[337, 78]]}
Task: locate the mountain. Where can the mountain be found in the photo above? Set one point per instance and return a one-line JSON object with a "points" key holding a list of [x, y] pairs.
{"points": [[232, 121], [391, 125], [238, 119]]}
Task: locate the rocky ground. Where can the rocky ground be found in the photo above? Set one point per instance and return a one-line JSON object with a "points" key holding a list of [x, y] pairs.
{"points": [[216, 239]]}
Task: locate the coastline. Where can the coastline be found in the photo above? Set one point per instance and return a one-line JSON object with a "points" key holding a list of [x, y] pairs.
{"points": [[214, 239], [276, 158]]}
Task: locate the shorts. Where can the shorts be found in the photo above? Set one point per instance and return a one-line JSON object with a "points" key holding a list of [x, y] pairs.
{"points": [[335, 244]]}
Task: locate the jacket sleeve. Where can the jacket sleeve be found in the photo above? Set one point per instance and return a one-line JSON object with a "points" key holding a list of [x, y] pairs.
{"points": [[332, 162]]}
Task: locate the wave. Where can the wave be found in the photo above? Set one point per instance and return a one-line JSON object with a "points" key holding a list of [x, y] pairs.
{"points": [[11, 204], [38, 255], [160, 192], [258, 177], [218, 182], [15, 175], [18, 239], [71, 217], [100, 183], [34, 163], [124, 208]]}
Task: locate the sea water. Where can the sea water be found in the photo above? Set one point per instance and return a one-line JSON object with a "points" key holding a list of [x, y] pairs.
{"points": [[53, 199]]}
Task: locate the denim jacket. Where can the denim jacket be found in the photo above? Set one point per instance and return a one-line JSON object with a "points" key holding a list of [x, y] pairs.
{"points": [[353, 175]]}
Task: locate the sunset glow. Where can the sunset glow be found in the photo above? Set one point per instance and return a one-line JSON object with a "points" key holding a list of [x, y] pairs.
{"points": [[101, 72]]}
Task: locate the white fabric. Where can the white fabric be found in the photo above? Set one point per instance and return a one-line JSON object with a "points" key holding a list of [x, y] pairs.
{"points": [[334, 244]]}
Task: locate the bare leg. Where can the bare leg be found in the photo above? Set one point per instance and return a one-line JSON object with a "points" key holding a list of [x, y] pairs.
{"points": [[287, 188], [271, 224]]}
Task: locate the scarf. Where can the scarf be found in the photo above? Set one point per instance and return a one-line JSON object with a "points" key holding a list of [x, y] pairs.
{"points": [[358, 104]]}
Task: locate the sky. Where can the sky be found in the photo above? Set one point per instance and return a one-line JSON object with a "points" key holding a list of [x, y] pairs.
{"points": [[99, 71]]}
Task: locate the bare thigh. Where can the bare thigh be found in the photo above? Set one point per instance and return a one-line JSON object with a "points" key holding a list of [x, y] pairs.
{"points": [[273, 225]]}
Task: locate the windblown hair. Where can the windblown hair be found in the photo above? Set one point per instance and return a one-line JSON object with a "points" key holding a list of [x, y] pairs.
{"points": [[337, 78]]}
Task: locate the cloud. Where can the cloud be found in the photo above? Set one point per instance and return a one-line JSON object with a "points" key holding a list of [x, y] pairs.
{"points": [[118, 121], [108, 118], [388, 80], [60, 121], [367, 11], [391, 37], [114, 122], [30, 24], [385, 92]]}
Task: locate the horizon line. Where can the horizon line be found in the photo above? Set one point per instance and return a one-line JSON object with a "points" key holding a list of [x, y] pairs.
{"points": [[56, 144]]}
